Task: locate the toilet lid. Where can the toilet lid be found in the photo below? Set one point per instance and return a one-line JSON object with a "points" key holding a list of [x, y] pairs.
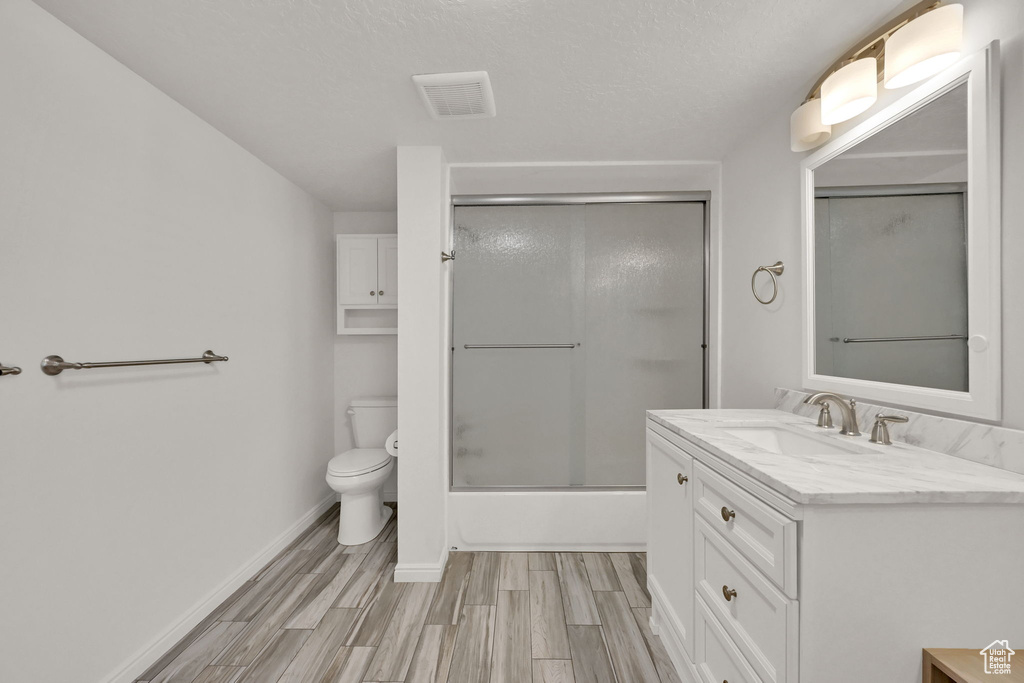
{"points": [[358, 461]]}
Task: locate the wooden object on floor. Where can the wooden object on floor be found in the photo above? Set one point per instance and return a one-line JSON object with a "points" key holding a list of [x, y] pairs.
{"points": [[947, 665]]}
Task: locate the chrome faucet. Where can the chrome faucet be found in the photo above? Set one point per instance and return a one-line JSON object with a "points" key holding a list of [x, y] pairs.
{"points": [[848, 407]]}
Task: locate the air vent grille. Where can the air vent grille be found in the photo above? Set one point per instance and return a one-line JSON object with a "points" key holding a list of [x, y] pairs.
{"points": [[466, 95]]}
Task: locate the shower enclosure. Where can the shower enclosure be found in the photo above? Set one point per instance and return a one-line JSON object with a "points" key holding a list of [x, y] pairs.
{"points": [[571, 317]]}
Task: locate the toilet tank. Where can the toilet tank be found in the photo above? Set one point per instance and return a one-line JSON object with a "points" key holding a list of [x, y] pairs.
{"points": [[373, 420]]}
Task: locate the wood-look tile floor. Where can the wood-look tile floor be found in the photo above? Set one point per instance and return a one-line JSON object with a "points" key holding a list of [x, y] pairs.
{"points": [[326, 613]]}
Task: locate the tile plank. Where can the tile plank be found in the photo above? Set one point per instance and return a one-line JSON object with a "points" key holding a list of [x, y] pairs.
{"points": [[471, 659], [577, 595], [373, 619], [548, 638], [552, 671], [483, 579], [433, 656], [363, 585], [275, 657], [193, 659], [398, 644], [591, 662], [255, 599], [601, 572], [632, 577], [315, 657], [512, 650], [258, 632], [220, 674], [447, 605], [630, 657], [662, 662], [323, 593], [349, 665], [541, 562], [514, 572]]}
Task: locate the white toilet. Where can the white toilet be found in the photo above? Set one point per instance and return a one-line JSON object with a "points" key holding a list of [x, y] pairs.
{"points": [[359, 474]]}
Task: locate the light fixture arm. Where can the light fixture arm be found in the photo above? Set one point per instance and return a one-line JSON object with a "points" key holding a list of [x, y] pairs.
{"points": [[873, 45]]}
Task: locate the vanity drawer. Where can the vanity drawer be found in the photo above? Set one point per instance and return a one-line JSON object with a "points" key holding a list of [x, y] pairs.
{"points": [[763, 536], [761, 621], [716, 657]]}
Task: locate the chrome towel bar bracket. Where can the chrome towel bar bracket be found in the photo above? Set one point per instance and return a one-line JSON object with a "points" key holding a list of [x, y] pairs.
{"points": [[5, 370], [772, 271], [54, 365]]}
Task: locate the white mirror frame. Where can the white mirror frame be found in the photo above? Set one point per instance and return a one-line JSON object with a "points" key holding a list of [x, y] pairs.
{"points": [[983, 400]]}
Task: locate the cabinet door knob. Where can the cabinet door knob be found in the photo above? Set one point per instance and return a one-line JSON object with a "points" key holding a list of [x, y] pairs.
{"points": [[372, 292], [728, 514], [729, 593], [380, 293], [682, 479]]}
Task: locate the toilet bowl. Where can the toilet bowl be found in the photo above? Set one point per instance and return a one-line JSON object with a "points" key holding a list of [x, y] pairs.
{"points": [[358, 474]]}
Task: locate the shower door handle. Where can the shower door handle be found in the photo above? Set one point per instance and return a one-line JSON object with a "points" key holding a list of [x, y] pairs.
{"points": [[519, 346]]}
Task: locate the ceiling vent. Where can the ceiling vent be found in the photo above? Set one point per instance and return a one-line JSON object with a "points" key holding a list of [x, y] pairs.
{"points": [[465, 95]]}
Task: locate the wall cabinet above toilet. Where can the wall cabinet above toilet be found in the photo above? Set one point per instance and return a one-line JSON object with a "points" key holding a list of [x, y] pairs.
{"points": [[367, 284]]}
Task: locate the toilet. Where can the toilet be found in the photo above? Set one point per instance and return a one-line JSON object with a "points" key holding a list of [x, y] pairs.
{"points": [[358, 475]]}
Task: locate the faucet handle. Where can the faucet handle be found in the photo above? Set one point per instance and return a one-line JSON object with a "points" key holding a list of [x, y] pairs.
{"points": [[880, 432], [825, 416]]}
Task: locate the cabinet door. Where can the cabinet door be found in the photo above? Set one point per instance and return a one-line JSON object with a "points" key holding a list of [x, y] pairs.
{"points": [[387, 270], [670, 532], [357, 270]]}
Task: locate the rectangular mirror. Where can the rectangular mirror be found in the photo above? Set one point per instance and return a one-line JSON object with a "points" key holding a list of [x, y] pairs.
{"points": [[901, 247]]}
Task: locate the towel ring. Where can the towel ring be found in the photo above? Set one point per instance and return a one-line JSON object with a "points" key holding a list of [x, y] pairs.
{"points": [[773, 271]]}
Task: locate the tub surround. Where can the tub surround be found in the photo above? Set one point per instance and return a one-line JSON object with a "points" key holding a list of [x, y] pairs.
{"points": [[900, 473], [982, 443]]}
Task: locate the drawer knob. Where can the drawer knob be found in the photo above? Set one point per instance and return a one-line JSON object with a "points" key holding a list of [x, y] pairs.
{"points": [[728, 514], [729, 593], [682, 479]]}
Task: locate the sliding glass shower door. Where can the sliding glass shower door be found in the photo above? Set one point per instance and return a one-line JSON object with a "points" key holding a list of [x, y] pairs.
{"points": [[568, 323]]}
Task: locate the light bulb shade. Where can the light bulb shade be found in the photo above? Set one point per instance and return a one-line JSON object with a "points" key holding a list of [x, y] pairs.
{"points": [[924, 47], [806, 131], [849, 91]]}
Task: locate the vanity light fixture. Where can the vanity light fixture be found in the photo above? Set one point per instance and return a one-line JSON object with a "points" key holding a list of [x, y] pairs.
{"points": [[849, 91], [924, 47], [917, 44]]}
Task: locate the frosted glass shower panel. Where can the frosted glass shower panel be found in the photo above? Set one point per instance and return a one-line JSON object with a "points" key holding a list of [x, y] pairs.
{"points": [[518, 280], [645, 327], [615, 294]]}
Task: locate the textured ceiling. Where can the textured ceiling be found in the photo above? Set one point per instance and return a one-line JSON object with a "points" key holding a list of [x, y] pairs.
{"points": [[320, 90]]}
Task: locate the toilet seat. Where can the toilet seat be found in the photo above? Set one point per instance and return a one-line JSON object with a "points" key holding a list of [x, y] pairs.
{"points": [[358, 461]]}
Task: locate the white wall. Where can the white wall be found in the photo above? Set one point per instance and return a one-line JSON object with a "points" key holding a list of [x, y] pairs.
{"points": [[761, 224], [132, 229], [364, 365], [423, 286]]}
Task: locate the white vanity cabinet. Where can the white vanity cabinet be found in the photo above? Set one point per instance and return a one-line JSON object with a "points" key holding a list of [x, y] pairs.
{"points": [[670, 532], [751, 585], [367, 284]]}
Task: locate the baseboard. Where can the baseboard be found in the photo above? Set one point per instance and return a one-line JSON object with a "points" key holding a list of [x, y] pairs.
{"points": [[663, 625], [421, 573], [138, 664]]}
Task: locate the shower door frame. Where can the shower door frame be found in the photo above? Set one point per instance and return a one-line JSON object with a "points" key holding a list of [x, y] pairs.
{"points": [[564, 199]]}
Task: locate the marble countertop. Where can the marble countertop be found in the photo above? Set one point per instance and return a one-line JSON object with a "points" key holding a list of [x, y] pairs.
{"points": [[899, 473]]}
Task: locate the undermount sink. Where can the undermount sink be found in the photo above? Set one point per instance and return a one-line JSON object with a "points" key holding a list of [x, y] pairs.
{"points": [[790, 442]]}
